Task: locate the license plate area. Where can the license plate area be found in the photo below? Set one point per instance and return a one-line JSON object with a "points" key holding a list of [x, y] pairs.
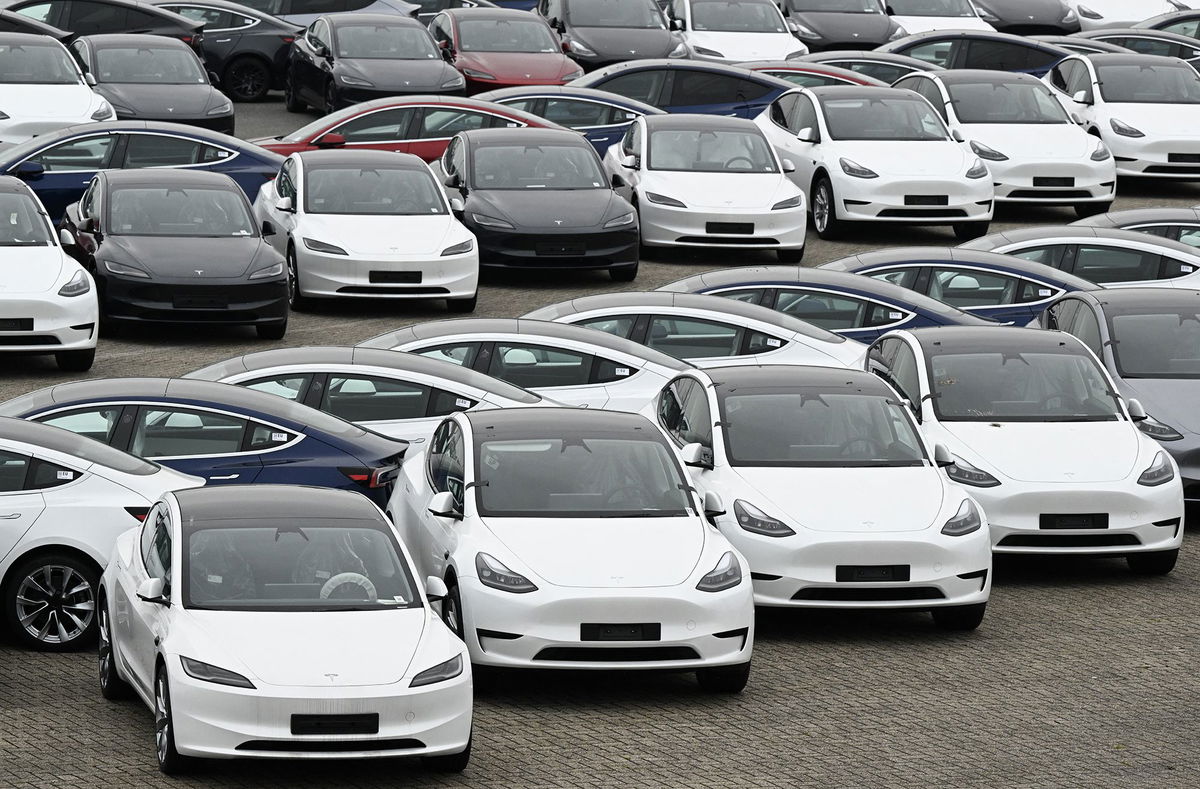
{"points": [[16, 324], [645, 631], [365, 723], [1046, 180], [729, 228], [1091, 520], [872, 573], [199, 303], [560, 248], [1183, 158], [927, 200], [395, 277]]}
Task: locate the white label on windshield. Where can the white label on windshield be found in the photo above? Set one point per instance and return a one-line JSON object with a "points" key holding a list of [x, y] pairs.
{"points": [[1044, 291], [66, 475], [622, 371], [895, 316], [279, 436], [1186, 269], [321, 575], [215, 579], [773, 343], [462, 403], [12, 219]]}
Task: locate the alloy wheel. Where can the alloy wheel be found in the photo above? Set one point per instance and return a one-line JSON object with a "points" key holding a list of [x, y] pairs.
{"points": [[55, 604], [162, 718], [247, 80], [104, 655], [820, 208]]}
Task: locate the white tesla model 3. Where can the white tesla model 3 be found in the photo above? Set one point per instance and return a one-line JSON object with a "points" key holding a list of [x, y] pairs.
{"points": [[1040, 437], [787, 447], [570, 539], [281, 622], [42, 89]]}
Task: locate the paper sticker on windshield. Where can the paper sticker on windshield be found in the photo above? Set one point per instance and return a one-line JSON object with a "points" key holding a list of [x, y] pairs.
{"points": [[462, 403], [279, 436], [1044, 291], [1186, 269], [67, 475], [215, 579], [12, 218], [895, 316], [321, 575], [622, 371], [773, 343]]}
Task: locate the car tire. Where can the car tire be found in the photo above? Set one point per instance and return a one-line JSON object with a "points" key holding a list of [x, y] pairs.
{"points": [[112, 687], [272, 331], [169, 760], [623, 273], [246, 79], [330, 98], [452, 613], [1153, 562], [75, 361], [959, 617], [1084, 210], [291, 102], [450, 763], [643, 249], [297, 301], [50, 576], [824, 210], [462, 305], [790, 255], [724, 679], [966, 231]]}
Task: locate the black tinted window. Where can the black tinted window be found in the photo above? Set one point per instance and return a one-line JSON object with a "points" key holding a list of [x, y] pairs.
{"points": [[160, 150], [640, 85], [13, 468], [362, 398], [694, 88], [91, 17]]}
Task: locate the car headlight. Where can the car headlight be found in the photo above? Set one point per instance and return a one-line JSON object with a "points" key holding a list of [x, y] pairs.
{"points": [[79, 285], [1088, 13], [965, 521], [791, 202], [1069, 16], [984, 152], [726, 575], [621, 221], [476, 74], [123, 270], [900, 32], [654, 197], [357, 82], [978, 170], [459, 249], [1124, 129], [321, 246], [1101, 153], [224, 109], [580, 48], [456, 81], [490, 221], [439, 673], [712, 53], [965, 473], [1157, 430], [754, 520], [850, 167], [574, 75], [1160, 471], [207, 672], [804, 31], [273, 270], [493, 573], [680, 51], [105, 112]]}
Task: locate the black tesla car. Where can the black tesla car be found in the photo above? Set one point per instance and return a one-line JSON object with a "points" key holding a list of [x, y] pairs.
{"points": [[596, 33], [539, 199], [11, 22], [841, 24], [178, 246], [152, 78], [344, 59], [90, 17]]}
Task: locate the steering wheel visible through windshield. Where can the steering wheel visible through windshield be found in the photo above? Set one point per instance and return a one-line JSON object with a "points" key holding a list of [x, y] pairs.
{"points": [[704, 151], [892, 119]]}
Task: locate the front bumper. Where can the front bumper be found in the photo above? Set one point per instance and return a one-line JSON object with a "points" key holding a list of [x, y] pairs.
{"points": [[1064, 182], [736, 228], [393, 277], [546, 249], [236, 302], [48, 325], [1155, 157], [22, 129], [914, 199], [216, 721], [543, 629]]}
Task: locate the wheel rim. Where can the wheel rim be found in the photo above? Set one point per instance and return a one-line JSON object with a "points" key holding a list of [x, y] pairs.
{"points": [[293, 280], [247, 80], [450, 607], [162, 718], [105, 651], [821, 208], [55, 604]]}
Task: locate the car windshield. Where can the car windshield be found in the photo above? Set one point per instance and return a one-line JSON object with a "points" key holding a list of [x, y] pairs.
{"points": [[21, 223], [1142, 84], [385, 42], [806, 427], [615, 13], [995, 386], [1156, 342], [735, 16], [299, 564], [932, 7], [835, 6], [505, 35], [177, 211], [706, 151], [999, 102], [537, 167], [149, 65], [394, 191], [892, 119], [36, 64], [579, 476]]}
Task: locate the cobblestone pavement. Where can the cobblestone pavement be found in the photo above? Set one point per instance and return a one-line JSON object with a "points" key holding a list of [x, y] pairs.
{"points": [[1082, 675]]}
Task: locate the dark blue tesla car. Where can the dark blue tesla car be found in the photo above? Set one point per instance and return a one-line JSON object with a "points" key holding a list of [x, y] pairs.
{"points": [[861, 308], [227, 434], [58, 166], [599, 115], [689, 86], [987, 284]]}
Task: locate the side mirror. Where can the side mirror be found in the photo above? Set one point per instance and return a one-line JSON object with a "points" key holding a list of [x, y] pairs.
{"points": [[330, 140], [435, 589], [942, 456], [89, 225], [792, 28], [452, 180], [442, 505], [285, 205], [29, 171], [696, 456], [957, 135], [90, 79], [214, 78], [151, 591], [807, 134], [678, 24], [630, 161], [65, 238], [1076, 119], [1137, 411], [457, 205], [268, 229], [788, 166], [713, 506], [617, 181], [1080, 97], [447, 52]]}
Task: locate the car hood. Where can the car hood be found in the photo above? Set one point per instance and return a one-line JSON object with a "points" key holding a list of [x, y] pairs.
{"points": [[1052, 451], [72, 102], [1027, 12], [746, 46], [162, 101], [945, 159], [519, 65], [867, 29], [29, 269], [716, 190], [380, 235], [1169, 400], [403, 75], [927, 24], [626, 43], [614, 553], [180, 258], [902, 498], [1032, 141], [1156, 120], [558, 209], [302, 649]]}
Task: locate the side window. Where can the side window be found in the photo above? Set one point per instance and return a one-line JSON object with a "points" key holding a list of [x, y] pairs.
{"points": [[98, 424], [1113, 264], [607, 371], [440, 28], [882, 354], [362, 398], [457, 353], [699, 88], [577, 114], [641, 85], [1050, 255], [1060, 75], [534, 366], [160, 150], [998, 55], [291, 387], [760, 342], [1085, 326], [156, 547], [883, 315], [525, 105], [1189, 28], [382, 126], [1028, 292], [827, 310], [86, 153], [1060, 315], [440, 124], [1172, 268], [442, 403], [179, 433], [43, 474], [748, 295], [971, 288], [619, 325], [212, 18], [690, 338], [782, 110], [904, 277], [267, 437], [445, 465], [96, 17], [1146, 46], [39, 11], [13, 468], [936, 52], [752, 90], [286, 183], [805, 116], [631, 143], [904, 375], [684, 413], [458, 158], [1080, 78]]}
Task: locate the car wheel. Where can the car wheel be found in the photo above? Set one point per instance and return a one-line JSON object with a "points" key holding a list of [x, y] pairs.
{"points": [[272, 331], [965, 231], [75, 361], [1153, 562], [724, 679], [330, 98], [169, 760], [450, 763], [50, 601], [452, 609], [1084, 210], [624, 273], [790, 255], [247, 79], [824, 210], [462, 305], [959, 617], [296, 298], [112, 687], [291, 102], [643, 249]]}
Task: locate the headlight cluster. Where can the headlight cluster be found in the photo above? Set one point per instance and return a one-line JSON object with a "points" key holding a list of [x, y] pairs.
{"points": [[964, 472], [1122, 128], [580, 48], [321, 246], [791, 202], [623, 220], [1161, 471], [207, 672], [76, 286], [223, 109], [726, 575], [439, 673], [664, 200], [484, 220], [1101, 153], [104, 113], [356, 82], [965, 521], [755, 521], [492, 572], [477, 74], [125, 270], [850, 167], [712, 53], [985, 152], [1088, 13], [459, 249], [1157, 430], [273, 270], [680, 51], [978, 170]]}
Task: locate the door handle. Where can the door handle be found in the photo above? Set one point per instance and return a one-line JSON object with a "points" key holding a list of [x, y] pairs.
{"points": [[226, 476], [10, 517], [223, 40]]}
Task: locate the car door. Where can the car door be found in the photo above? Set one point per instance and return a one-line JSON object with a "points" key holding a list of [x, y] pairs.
{"points": [[69, 167], [267, 205], [19, 507], [445, 468], [438, 124], [601, 123], [388, 129], [1113, 265], [855, 317], [201, 442], [649, 85], [707, 93], [564, 374], [1001, 297], [222, 30], [308, 80], [147, 621]]}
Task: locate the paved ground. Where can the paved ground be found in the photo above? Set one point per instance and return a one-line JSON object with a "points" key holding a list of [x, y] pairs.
{"points": [[1081, 676]]}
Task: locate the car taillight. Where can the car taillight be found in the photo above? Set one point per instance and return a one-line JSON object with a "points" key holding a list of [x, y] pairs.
{"points": [[288, 39], [139, 513], [371, 477]]}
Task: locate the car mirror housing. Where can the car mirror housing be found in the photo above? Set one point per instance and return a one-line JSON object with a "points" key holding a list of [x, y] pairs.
{"points": [[285, 204], [941, 456], [29, 171], [89, 225], [678, 24], [713, 505], [630, 161], [268, 229], [807, 134], [788, 166], [151, 591], [90, 79], [1076, 119], [442, 505], [457, 205], [696, 456], [957, 135], [1137, 412], [1080, 97], [452, 180], [617, 181], [65, 238], [330, 140], [435, 589]]}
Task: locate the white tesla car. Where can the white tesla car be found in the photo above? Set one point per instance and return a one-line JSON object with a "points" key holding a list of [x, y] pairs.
{"points": [[1096, 14], [575, 366], [368, 224], [707, 330], [785, 447], [1145, 108], [401, 395], [42, 89], [925, 16], [63, 501], [48, 301], [708, 181], [735, 31], [878, 155], [281, 622], [571, 539], [1034, 150], [1041, 439]]}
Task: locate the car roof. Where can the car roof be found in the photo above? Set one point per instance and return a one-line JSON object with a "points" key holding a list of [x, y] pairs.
{"points": [[354, 110], [689, 121], [270, 502], [1142, 32], [1118, 219], [490, 13], [812, 67], [523, 136], [434, 330], [976, 75], [360, 18], [1132, 59], [728, 379], [517, 423], [918, 255], [180, 129], [106, 40], [991, 35], [569, 91], [360, 157], [168, 176], [1150, 298], [859, 92], [1066, 42], [868, 55], [59, 440], [9, 38], [1076, 231], [679, 63], [376, 357], [1004, 339]]}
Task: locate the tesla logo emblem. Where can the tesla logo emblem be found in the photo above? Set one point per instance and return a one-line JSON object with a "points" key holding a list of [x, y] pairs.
{"points": [[558, 221], [633, 51], [331, 677], [855, 35], [1068, 473], [406, 82], [868, 523], [199, 272], [528, 76], [170, 109], [616, 578]]}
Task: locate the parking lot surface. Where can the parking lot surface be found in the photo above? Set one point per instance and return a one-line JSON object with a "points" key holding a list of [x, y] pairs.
{"points": [[1082, 675]]}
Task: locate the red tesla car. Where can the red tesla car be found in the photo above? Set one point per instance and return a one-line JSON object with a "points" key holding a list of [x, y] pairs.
{"points": [[420, 125], [812, 75]]}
